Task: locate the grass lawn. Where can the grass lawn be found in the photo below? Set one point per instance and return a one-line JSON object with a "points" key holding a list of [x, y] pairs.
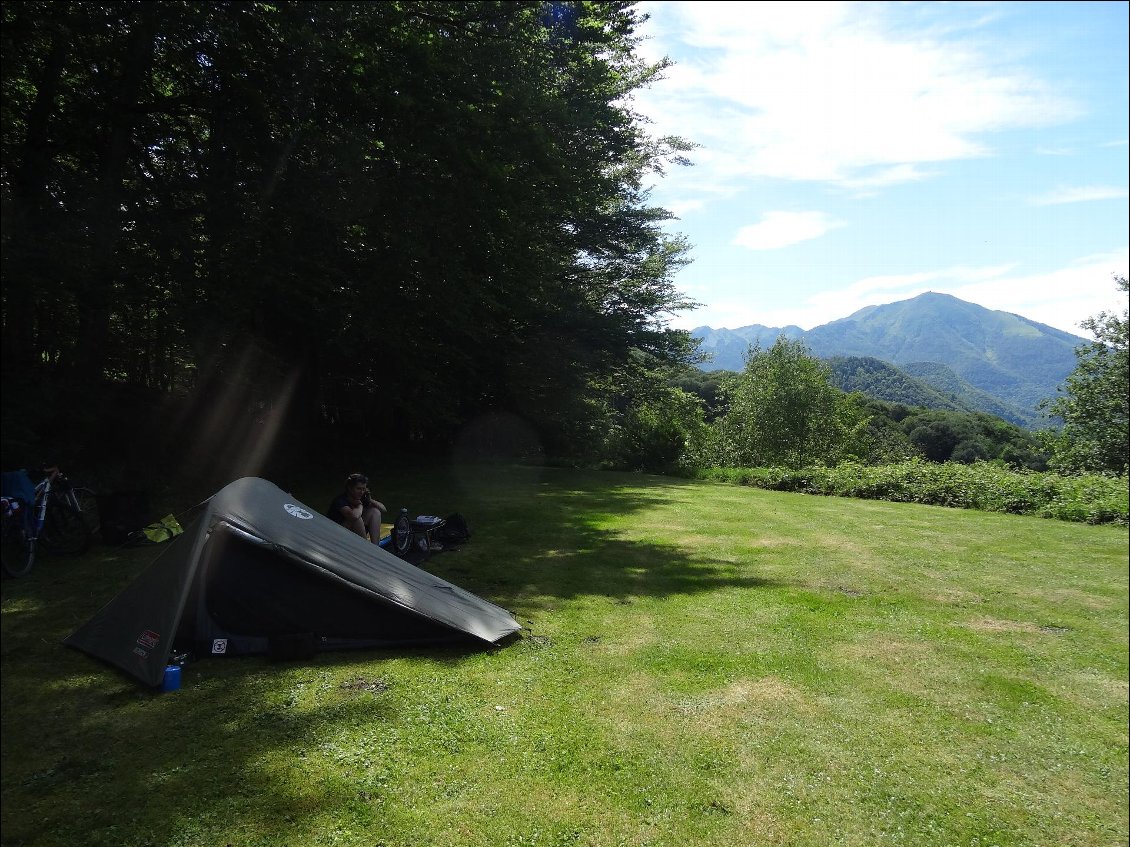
{"points": [[704, 664]]}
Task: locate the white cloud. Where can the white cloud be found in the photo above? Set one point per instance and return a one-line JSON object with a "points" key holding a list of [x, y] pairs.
{"points": [[831, 91], [679, 208], [877, 290], [1081, 194], [884, 176], [818, 105], [781, 229], [1060, 298]]}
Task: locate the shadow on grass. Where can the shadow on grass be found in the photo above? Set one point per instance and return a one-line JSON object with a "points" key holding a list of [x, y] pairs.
{"points": [[544, 536], [82, 744]]}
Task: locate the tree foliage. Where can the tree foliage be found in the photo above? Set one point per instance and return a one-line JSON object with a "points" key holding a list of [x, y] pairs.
{"points": [[705, 385], [871, 431], [1094, 401], [967, 437], [882, 380], [395, 216], [783, 410], [649, 423]]}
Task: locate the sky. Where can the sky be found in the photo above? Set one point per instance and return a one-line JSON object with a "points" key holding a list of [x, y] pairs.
{"points": [[855, 154]]}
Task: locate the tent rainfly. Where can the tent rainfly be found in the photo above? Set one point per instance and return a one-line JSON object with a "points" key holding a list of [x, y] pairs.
{"points": [[258, 572]]}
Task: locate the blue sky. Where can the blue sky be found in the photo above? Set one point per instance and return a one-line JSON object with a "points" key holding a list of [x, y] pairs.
{"points": [[853, 154]]}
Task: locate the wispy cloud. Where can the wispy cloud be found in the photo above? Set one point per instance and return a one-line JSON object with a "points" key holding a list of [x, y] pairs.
{"points": [[782, 229], [834, 92], [873, 113], [884, 176], [679, 208], [1081, 194], [876, 290], [1061, 297]]}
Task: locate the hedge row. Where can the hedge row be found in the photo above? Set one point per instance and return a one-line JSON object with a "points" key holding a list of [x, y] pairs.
{"points": [[1087, 498]]}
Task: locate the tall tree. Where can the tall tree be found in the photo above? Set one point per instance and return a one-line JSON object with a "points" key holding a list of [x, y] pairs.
{"points": [[1094, 403], [784, 410], [396, 208]]}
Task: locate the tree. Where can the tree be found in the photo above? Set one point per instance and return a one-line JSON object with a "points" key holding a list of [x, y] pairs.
{"points": [[782, 409], [706, 385], [648, 424], [1093, 403], [937, 435], [383, 213], [967, 437]]}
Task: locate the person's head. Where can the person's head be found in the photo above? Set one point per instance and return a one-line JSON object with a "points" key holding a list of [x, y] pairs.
{"points": [[357, 484]]}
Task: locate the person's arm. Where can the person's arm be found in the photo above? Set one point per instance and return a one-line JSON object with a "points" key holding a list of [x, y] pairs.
{"points": [[347, 510], [367, 500]]}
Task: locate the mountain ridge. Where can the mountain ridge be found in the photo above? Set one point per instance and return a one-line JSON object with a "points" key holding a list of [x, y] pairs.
{"points": [[1008, 362]]}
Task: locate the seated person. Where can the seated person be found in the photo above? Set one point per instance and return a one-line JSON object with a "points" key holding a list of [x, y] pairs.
{"points": [[356, 510]]}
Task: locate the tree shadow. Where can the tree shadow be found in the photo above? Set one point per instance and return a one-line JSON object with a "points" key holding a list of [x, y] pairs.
{"points": [[536, 538], [540, 536]]}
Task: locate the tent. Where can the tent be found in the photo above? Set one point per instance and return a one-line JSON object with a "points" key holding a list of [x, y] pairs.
{"points": [[258, 572]]}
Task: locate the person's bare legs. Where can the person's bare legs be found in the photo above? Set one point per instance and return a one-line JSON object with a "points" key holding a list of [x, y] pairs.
{"points": [[372, 524]]}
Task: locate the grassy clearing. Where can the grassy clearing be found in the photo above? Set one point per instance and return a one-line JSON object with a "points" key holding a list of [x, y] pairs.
{"points": [[704, 664]]}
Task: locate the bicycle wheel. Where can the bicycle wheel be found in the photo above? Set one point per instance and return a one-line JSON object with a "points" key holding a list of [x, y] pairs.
{"points": [[86, 501], [65, 532], [401, 536], [17, 553]]}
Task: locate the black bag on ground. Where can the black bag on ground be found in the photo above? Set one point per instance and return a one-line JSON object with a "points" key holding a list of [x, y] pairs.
{"points": [[454, 531], [122, 513]]}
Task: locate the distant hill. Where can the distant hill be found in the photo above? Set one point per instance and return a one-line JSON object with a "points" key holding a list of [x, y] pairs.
{"points": [[884, 381], [927, 384], [991, 361], [728, 346]]}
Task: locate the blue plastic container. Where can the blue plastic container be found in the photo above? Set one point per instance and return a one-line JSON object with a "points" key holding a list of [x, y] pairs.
{"points": [[171, 680]]}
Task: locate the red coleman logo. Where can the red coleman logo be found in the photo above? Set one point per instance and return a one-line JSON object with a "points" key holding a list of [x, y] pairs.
{"points": [[149, 639]]}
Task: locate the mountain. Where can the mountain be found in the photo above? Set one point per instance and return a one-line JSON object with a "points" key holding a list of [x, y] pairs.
{"points": [[883, 381], [926, 384], [963, 350], [728, 346]]}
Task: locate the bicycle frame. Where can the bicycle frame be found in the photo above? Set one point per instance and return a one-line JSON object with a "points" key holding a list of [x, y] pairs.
{"points": [[42, 495], [28, 526]]}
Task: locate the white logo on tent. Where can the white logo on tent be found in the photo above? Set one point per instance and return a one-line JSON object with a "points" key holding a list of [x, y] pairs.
{"points": [[298, 512], [219, 646]]}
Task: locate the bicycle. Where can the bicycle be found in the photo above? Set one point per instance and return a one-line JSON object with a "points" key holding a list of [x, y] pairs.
{"points": [[52, 516], [410, 537], [400, 538]]}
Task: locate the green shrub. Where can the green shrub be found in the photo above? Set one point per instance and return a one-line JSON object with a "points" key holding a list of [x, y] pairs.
{"points": [[987, 486]]}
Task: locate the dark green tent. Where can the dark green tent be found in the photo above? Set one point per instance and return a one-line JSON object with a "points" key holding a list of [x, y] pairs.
{"points": [[259, 572]]}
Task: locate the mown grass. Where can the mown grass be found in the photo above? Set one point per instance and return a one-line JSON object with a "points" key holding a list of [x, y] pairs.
{"points": [[702, 664]]}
